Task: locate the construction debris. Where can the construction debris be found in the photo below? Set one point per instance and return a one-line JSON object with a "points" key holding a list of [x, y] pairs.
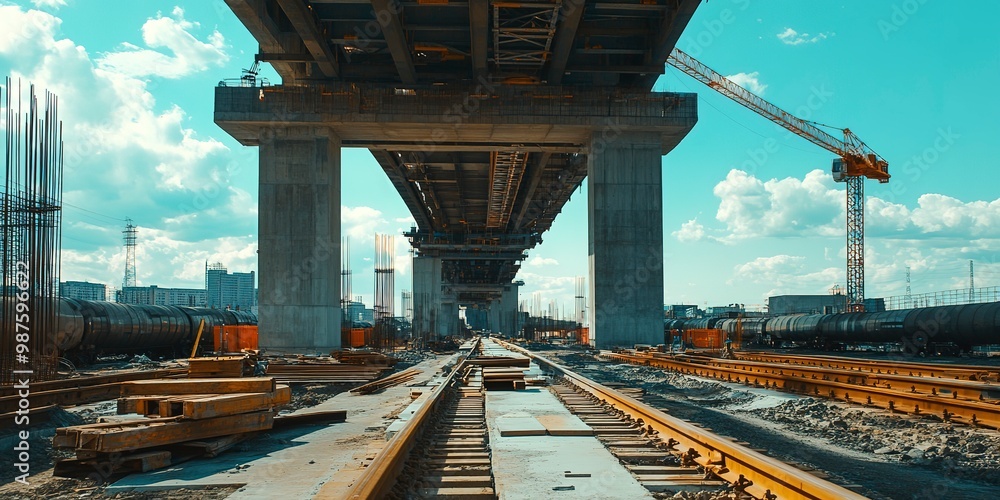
{"points": [[391, 380], [221, 366], [364, 358], [313, 369], [503, 378], [186, 418]]}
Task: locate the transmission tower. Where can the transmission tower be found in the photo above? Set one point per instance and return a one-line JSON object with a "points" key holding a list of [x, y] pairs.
{"points": [[909, 296], [972, 282], [128, 236]]}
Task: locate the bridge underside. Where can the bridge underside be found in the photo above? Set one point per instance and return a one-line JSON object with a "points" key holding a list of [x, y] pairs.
{"points": [[486, 116]]}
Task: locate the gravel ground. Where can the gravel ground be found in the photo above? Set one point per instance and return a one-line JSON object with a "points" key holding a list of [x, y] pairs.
{"points": [[888, 456]]}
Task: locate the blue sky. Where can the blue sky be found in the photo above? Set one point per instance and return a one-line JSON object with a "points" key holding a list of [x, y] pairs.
{"points": [[749, 210]]}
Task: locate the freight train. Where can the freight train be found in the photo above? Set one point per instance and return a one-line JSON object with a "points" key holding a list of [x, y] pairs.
{"points": [[89, 328], [915, 330]]}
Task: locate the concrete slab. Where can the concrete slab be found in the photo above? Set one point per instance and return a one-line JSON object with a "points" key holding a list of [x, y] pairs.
{"points": [[519, 424], [297, 462], [564, 425], [534, 467]]}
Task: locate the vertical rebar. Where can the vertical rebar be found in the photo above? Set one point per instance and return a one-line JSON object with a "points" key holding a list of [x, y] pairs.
{"points": [[384, 334], [30, 232]]}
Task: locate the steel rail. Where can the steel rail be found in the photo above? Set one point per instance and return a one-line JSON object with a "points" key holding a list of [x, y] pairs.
{"points": [[970, 412], [970, 372], [723, 457], [381, 475], [964, 389]]}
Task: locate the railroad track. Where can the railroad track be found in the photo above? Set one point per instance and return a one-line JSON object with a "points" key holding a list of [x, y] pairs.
{"points": [[959, 372], [445, 450], [964, 401]]}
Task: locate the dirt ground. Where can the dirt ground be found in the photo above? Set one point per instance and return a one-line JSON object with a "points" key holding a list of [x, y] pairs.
{"points": [[865, 447]]}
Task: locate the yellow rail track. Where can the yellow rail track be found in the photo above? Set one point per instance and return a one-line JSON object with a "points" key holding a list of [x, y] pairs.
{"points": [[899, 399], [723, 457]]}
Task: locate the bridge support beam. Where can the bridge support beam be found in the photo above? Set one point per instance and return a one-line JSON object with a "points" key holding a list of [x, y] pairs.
{"points": [[625, 209], [435, 312], [503, 312], [299, 241]]}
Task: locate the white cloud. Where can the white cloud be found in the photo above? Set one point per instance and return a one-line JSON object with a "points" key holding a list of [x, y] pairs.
{"points": [[792, 37], [50, 4], [539, 261], [189, 55], [786, 274], [787, 207], [814, 206], [360, 223], [748, 81], [689, 231], [935, 215]]}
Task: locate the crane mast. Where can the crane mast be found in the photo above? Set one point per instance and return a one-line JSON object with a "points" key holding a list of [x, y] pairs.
{"points": [[856, 162]]}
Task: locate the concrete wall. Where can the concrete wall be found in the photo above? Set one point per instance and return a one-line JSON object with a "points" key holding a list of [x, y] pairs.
{"points": [[625, 210], [299, 241]]}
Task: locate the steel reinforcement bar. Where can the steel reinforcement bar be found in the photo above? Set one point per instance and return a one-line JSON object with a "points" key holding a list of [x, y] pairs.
{"points": [[970, 412], [723, 457], [381, 475]]}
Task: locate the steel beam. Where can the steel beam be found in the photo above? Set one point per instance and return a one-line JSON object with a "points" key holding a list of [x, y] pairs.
{"points": [[479, 33], [670, 30], [562, 45], [387, 12], [253, 15], [304, 22]]}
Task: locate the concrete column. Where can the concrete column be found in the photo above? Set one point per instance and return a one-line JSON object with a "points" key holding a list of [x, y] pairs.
{"points": [[447, 324], [299, 241], [426, 296], [625, 209], [507, 311]]}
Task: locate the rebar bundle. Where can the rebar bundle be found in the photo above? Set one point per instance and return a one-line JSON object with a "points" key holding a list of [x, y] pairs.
{"points": [[30, 233], [346, 320], [384, 333]]}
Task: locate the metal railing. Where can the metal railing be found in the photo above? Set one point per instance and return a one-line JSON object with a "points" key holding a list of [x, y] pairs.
{"points": [[944, 298], [461, 105]]}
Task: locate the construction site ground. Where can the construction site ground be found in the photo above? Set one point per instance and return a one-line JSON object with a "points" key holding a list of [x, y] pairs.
{"points": [[289, 463]]}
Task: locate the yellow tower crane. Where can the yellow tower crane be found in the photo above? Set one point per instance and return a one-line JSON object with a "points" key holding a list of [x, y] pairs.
{"points": [[856, 162]]}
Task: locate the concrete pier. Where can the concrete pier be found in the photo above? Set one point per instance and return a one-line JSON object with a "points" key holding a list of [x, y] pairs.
{"points": [[435, 312], [625, 208], [299, 241]]}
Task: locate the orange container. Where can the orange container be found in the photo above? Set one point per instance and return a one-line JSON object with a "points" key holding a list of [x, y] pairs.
{"points": [[233, 338], [705, 338], [357, 337]]}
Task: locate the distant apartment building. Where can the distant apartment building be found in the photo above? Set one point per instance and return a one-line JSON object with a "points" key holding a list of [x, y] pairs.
{"points": [[229, 290], [156, 296], [83, 290]]}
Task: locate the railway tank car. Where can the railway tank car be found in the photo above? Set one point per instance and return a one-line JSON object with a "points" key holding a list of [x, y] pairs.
{"points": [[92, 328], [962, 325]]}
